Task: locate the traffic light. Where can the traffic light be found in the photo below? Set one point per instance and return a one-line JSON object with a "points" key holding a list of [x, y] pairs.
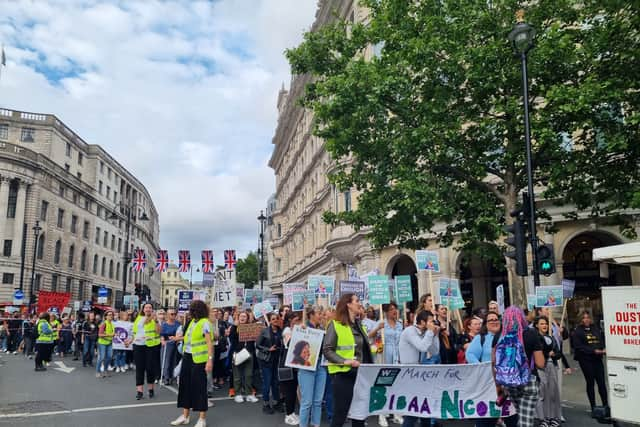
{"points": [[517, 239], [546, 259]]}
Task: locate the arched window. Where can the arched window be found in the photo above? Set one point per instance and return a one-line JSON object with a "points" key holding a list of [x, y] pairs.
{"points": [[56, 253], [83, 260], [40, 252], [104, 267], [118, 271], [111, 269], [95, 264], [72, 250]]}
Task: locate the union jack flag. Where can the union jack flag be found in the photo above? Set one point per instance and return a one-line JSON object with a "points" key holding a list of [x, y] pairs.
{"points": [[162, 261], [184, 261], [207, 261], [139, 260], [230, 259]]}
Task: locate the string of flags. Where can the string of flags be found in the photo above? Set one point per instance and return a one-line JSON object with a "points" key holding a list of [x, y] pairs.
{"points": [[139, 260]]}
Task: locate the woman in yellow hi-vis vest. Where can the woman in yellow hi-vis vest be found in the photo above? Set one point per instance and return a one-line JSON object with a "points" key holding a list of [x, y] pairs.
{"points": [[105, 349], [44, 342], [345, 347], [197, 361], [146, 349]]}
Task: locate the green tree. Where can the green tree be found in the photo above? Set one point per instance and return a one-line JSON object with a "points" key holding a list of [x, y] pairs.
{"points": [[248, 270], [433, 124]]}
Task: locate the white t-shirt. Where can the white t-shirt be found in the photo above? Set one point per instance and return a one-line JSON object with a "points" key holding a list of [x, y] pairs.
{"points": [[139, 338], [187, 337]]}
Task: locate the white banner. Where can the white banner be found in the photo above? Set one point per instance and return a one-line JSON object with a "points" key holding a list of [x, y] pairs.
{"points": [[122, 332], [224, 294], [427, 391]]}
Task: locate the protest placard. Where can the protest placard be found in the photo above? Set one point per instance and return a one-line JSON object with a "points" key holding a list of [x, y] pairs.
{"points": [[445, 392], [122, 331], [352, 287], [403, 289], [253, 296], [47, 300], [302, 299], [428, 260], [568, 287], [378, 289], [224, 295], [549, 296], [304, 348], [249, 331], [321, 284], [449, 293], [288, 289]]}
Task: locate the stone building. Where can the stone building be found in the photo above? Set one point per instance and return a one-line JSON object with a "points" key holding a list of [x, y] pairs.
{"points": [[302, 244], [82, 199], [172, 282]]}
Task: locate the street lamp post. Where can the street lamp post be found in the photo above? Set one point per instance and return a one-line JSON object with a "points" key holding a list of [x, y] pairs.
{"points": [[191, 275], [128, 211], [262, 219], [521, 38], [36, 237]]}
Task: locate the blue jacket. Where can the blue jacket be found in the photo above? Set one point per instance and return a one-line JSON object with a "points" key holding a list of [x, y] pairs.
{"points": [[478, 352]]}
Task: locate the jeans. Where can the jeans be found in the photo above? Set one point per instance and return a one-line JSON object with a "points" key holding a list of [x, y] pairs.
{"points": [[270, 383], [105, 352], [87, 353], [28, 346], [120, 358], [311, 392], [243, 377], [169, 351], [328, 396]]}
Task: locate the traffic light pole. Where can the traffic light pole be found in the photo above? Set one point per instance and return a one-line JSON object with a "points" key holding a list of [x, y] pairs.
{"points": [[532, 201]]}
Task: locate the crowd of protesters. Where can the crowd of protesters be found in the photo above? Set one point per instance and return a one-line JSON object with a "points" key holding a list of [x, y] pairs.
{"points": [[201, 351]]}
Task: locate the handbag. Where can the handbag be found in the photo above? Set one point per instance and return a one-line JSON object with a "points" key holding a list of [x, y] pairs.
{"points": [[264, 356], [177, 369], [240, 357], [285, 373]]}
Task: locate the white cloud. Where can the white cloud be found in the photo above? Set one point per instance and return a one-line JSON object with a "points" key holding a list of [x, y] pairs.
{"points": [[182, 93]]}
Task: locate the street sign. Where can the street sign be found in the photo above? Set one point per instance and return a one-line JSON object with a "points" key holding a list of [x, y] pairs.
{"points": [[18, 297], [102, 295]]}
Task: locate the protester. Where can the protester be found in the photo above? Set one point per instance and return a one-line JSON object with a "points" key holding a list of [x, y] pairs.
{"points": [[289, 387], [66, 336], [472, 327], [548, 410], [44, 342], [415, 340], [55, 325], [220, 349], [197, 361], [268, 348], [426, 303], [345, 348], [89, 339], [28, 336], [515, 330], [77, 336], [588, 347], [493, 307], [312, 383], [448, 337], [146, 348], [168, 332], [105, 347], [120, 355], [242, 372]]}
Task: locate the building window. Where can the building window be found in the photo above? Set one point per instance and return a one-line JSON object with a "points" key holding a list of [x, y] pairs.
{"points": [[28, 135], [81, 286], [87, 204], [95, 264], [74, 197], [119, 245], [60, 218], [54, 282], [108, 192], [118, 271], [279, 230], [7, 278], [12, 201], [56, 252], [347, 201], [100, 187], [67, 167], [6, 251], [97, 235], [69, 284], [72, 250], [4, 131], [44, 207], [101, 166], [85, 230], [111, 269], [74, 224], [67, 150], [80, 157], [83, 260], [278, 264], [40, 252], [61, 190], [105, 239], [113, 242], [104, 266], [36, 285], [109, 173], [115, 196]]}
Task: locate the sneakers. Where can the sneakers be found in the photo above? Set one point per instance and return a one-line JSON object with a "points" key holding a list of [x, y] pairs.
{"points": [[201, 423], [139, 396], [239, 399], [98, 375], [151, 393], [382, 421], [292, 419], [232, 392], [110, 368], [251, 398], [117, 370], [180, 421], [397, 419], [267, 409], [123, 369]]}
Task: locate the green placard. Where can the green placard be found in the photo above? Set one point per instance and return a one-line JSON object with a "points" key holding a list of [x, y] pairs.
{"points": [[379, 290], [403, 289]]}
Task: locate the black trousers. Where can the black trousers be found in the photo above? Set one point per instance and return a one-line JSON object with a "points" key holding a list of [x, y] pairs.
{"points": [[342, 384], [593, 371], [43, 353], [147, 359], [290, 391], [192, 390]]}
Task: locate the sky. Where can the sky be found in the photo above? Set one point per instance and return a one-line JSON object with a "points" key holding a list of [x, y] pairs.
{"points": [[181, 93]]}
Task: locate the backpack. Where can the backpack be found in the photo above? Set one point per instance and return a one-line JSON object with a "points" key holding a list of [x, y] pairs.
{"points": [[512, 366]]}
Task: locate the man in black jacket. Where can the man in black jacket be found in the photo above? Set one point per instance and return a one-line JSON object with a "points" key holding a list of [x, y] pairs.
{"points": [[588, 346]]}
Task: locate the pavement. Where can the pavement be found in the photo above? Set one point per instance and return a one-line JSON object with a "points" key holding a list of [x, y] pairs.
{"points": [[72, 396]]}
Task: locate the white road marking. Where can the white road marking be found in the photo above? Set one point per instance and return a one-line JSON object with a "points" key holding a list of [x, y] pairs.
{"points": [[95, 409]]}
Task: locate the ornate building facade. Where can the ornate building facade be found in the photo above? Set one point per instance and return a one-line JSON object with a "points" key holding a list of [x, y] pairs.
{"points": [[302, 244], [82, 200], [172, 282]]}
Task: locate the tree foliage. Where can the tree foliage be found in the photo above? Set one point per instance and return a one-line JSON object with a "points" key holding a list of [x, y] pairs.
{"points": [[248, 270], [433, 125]]}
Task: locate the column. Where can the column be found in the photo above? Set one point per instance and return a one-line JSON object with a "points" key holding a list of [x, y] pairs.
{"points": [[4, 197], [19, 220]]}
